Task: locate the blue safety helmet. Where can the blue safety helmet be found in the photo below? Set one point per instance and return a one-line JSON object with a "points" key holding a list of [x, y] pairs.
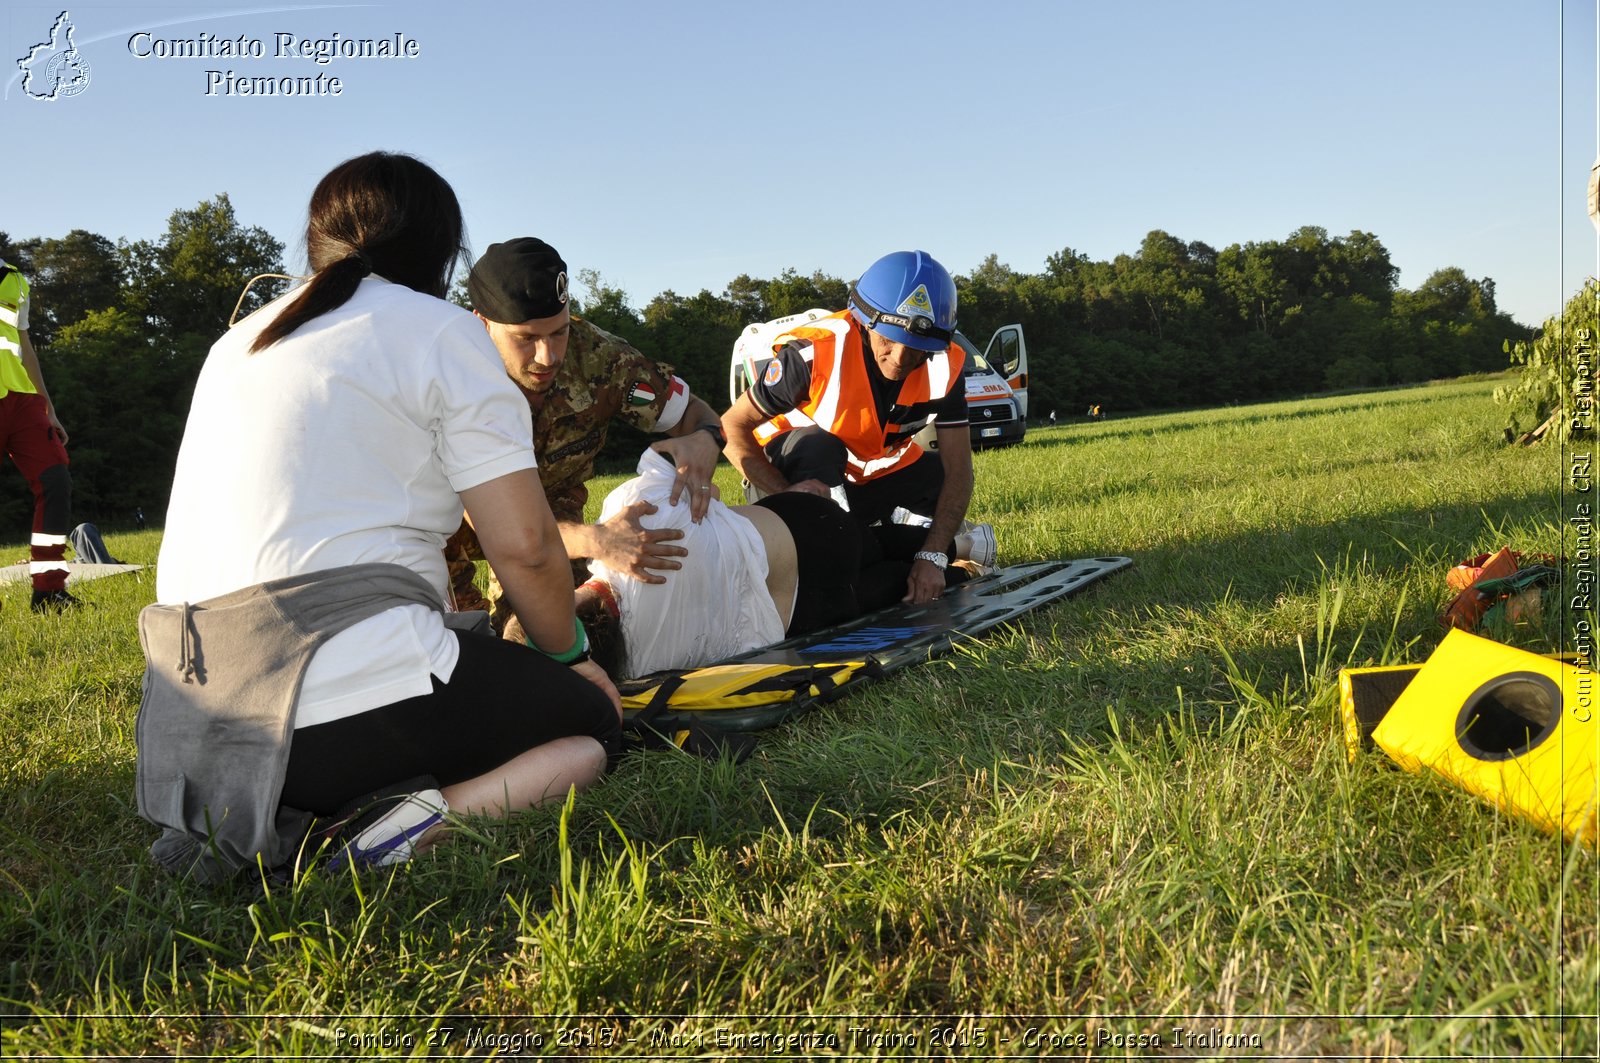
{"points": [[909, 298]]}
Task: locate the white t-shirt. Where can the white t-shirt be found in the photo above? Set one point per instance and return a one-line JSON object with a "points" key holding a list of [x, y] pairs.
{"points": [[347, 442], [715, 606]]}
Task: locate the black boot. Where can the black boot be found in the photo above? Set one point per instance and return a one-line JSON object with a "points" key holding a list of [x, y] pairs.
{"points": [[54, 601]]}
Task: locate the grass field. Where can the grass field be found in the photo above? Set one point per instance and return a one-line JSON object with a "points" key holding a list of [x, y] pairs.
{"points": [[1124, 828]]}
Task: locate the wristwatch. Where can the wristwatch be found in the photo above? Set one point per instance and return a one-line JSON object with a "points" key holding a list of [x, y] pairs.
{"points": [[716, 433], [941, 560]]}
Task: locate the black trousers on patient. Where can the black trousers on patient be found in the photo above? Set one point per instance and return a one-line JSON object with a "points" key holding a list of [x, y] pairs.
{"points": [[828, 546], [845, 568]]}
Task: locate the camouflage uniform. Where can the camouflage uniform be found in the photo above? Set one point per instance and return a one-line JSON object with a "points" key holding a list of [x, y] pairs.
{"points": [[601, 379]]}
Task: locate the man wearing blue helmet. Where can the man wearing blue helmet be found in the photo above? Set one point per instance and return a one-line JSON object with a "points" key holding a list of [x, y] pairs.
{"points": [[835, 412]]}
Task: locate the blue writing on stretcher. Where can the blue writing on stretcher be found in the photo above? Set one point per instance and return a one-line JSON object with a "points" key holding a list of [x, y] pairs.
{"points": [[865, 640]]}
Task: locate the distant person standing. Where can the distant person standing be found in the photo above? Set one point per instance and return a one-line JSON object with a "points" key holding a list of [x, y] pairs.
{"points": [[32, 435], [1052, 418]]}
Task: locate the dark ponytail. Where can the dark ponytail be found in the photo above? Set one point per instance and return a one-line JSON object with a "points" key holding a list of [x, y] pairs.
{"points": [[380, 213]]}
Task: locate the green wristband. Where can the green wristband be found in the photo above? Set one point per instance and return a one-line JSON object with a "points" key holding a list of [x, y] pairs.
{"points": [[577, 654]]}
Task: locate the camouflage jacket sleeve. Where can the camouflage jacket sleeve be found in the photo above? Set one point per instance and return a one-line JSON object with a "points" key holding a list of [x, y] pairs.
{"points": [[634, 388]]}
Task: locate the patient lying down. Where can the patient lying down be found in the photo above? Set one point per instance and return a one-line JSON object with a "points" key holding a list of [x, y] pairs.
{"points": [[787, 565]]}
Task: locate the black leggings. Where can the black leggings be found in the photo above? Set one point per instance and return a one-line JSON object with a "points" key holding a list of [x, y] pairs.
{"points": [[502, 700], [828, 545]]}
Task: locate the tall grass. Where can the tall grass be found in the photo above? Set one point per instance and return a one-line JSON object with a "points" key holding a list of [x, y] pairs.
{"points": [[1124, 827]]}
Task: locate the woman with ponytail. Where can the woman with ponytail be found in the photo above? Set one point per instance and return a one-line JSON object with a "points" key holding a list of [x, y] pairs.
{"points": [[302, 663]]}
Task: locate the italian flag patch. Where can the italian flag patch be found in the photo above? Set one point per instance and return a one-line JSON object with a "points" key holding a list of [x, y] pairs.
{"points": [[641, 395]]}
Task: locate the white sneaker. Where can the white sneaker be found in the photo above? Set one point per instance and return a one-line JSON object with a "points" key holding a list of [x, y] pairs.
{"points": [[392, 837]]}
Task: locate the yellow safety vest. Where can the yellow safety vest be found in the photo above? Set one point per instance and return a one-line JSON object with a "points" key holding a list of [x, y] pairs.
{"points": [[13, 296]]}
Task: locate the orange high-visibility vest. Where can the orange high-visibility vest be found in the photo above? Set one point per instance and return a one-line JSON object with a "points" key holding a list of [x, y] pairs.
{"points": [[840, 400]]}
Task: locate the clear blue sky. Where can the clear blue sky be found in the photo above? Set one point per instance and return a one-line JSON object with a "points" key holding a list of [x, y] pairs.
{"points": [[678, 144]]}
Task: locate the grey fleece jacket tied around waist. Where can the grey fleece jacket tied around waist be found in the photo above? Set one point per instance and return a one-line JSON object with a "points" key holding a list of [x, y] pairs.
{"points": [[221, 681]]}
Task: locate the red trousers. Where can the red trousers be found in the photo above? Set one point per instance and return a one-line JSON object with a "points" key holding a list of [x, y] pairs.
{"points": [[26, 435]]}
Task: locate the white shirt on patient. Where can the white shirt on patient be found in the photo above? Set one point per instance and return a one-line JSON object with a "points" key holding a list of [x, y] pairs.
{"points": [[714, 607]]}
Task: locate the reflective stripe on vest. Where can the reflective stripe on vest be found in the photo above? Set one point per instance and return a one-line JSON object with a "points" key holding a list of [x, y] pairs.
{"points": [[841, 400], [13, 292]]}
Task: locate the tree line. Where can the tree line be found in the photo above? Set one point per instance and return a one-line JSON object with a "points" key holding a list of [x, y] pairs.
{"points": [[123, 327]]}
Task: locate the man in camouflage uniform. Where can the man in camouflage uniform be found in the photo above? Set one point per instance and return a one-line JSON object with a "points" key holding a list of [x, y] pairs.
{"points": [[577, 379]]}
